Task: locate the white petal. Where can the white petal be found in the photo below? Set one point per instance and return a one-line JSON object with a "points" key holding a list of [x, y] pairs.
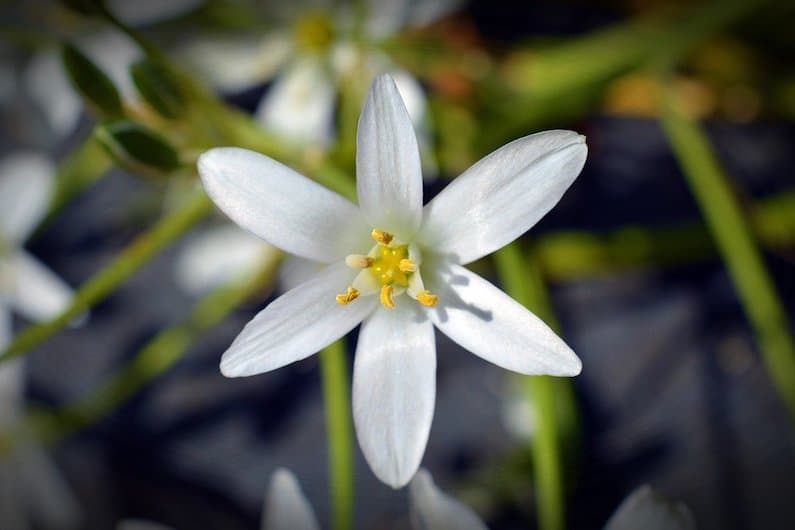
{"points": [[281, 206], [48, 495], [286, 507], [394, 389], [234, 63], [151, 11], [646, 509], [416, 104], [140, 524], [503, 195], [388, 169], [297, 324], [35, 291], [26, 188], [300, 104], [219, 255], [294, 271], [432, 509], [424, 12], [49, 88], [491, 324]]}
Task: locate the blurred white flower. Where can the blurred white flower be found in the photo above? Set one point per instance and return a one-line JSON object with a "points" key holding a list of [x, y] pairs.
{"points": [[218, 255], [416, 251], [27, 286], [31, 487], [287, 508], [311, 58], [649, 510]]}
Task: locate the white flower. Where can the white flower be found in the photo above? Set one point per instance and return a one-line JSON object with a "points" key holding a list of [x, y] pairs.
{"points": [[649, 510], [217, 255], [396, 267], [26, 187], [31, 487], [287, 508], [313, 56]]}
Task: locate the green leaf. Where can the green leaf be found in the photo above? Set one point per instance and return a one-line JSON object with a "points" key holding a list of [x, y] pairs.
{"points": [[158, 87], [136, 146], [95, 86]]}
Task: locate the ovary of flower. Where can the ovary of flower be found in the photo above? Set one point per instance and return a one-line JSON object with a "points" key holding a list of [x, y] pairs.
{"points": [[392, 268], [388, 246]]}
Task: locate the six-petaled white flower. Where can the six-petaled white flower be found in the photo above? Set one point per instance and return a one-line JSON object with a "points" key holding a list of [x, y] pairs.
{"points": [[397, 268]]}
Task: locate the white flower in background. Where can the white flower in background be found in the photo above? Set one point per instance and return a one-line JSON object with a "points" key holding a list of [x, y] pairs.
{"points": [[287, 508], [47, 84], [31, 487], [649, 510], [397, 268], [218, 255], [27, 286], [313, 56]]}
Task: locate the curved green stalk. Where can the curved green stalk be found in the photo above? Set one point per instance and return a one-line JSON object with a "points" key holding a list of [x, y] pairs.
{"points": [[154, 359], [727, 225], [552, 398], [101, 285], [339, 431]]}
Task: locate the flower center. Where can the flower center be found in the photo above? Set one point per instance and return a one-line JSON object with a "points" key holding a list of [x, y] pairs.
{"points": [[314, 31], [391, 268]]}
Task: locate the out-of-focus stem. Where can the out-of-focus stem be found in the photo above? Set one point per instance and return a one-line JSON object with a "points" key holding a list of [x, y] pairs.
{"points": [[550, 397], [339, 431], [155, 358], [731, 232], [101, 285]]}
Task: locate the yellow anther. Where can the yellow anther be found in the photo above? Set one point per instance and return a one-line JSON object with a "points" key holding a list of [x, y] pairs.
{"points": [[407, 265], [351, 295], [358, 261], [386, 297], [427, 299], [382, 237]]}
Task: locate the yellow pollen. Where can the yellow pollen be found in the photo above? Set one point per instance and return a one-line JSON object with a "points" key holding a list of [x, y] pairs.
{"points": [[382, 237], [427, 299], [358, 261], [351, 295], [407, 265], [386, 265], [386, 297], [314, 32]]}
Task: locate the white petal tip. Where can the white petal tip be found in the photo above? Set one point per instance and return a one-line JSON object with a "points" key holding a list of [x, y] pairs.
{"points": [[231, 369]]}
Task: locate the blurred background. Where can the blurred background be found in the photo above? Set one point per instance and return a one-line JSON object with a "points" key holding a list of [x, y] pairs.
{"points": [[668, 265]]}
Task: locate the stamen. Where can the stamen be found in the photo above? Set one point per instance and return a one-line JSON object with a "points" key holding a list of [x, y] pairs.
{"points": [[359, 261], [427, 299], [382, 237], [351, 295], [386, 297], [407, 265]]}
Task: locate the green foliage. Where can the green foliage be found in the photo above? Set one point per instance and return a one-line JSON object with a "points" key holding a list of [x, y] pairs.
{"points": [[94, 85], [136, 146], [158, 87]]}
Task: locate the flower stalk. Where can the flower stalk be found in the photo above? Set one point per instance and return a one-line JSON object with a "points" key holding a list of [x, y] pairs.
{"points": [[339, 431], [155, 358], [552, 398], [724, 217], [100, 286]]}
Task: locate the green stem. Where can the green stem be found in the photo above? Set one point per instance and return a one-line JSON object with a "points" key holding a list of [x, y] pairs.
{"points": [[745, 262], [334, 369], [137, 254], [541, 394], [154, 359]]}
